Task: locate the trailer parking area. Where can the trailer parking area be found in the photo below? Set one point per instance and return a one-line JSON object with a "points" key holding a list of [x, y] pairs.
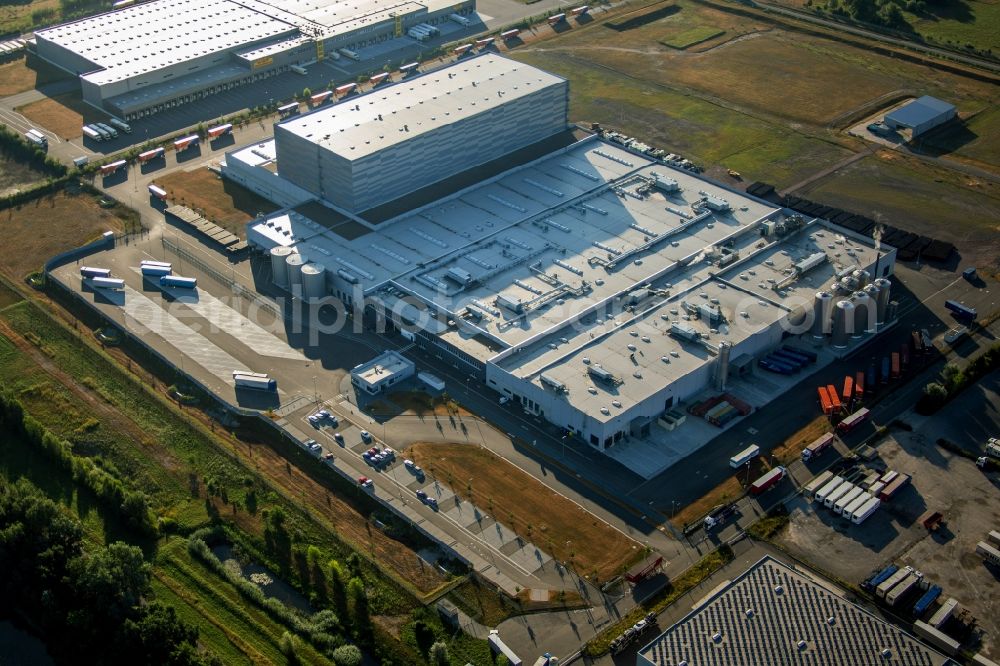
{"points": [[942, 481]]}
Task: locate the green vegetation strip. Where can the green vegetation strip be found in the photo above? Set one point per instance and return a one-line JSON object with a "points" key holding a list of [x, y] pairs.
{"points": [[770, 525], [674, 590], [689, 38]]}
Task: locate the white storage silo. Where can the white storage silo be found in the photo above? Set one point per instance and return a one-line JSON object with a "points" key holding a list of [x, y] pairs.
{"points": [[862, 305], [843, 323], [822, 310], [884, 287], [313, 281], [294, 264], [279, 271]]}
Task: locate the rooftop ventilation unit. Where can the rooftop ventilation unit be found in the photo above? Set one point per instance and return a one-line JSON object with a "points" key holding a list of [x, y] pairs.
{"points": [[458, 276], [510, 302], [603, 375], [553, 383], [684, 332]]}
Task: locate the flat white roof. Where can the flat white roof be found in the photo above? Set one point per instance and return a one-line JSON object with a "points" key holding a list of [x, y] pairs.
{"points": [[383, 117], [146, 37]]}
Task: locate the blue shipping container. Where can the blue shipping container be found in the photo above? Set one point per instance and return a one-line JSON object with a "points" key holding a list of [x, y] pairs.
{"points": [[925, 601]]}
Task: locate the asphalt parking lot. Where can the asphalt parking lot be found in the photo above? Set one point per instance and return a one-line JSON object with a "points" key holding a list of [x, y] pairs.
{"points": [[942, 481]]}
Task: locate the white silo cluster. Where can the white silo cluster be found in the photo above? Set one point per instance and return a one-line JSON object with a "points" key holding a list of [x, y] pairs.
{"points": [[292, 271], [852, 308]]}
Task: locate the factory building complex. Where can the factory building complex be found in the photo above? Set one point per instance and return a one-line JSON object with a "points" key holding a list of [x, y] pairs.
{"points": [[592, 285], [143, 58]]}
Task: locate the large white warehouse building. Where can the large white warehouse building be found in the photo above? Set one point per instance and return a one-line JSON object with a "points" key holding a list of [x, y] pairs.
{"points": [[594, 286], [396, 139], [147, 57]]}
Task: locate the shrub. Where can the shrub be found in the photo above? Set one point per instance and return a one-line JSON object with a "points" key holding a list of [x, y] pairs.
{"points": [[347, 655]]}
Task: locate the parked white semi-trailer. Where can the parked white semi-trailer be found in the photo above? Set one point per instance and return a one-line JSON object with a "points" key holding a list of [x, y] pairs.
{"points": [[846, 499], [855, 504], [866, 510], [818, 482], [178, 281], [254, 382], [744, 456], [839, 492], [825, 491], [115, 284], [92, 133], [153, 270], [94, 272], [348, 53]]}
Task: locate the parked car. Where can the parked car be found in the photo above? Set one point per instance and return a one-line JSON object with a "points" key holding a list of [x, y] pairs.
{"points": [[315, 448], [408, 464], [366, 437], [339, 438], [504, 400], [422, 496], [365, 482], [432, 503], [314, 420]]}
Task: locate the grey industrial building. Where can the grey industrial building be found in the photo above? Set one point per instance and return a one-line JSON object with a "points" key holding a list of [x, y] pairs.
{"points": [[146, 57], [921, 115], [593, 285], [396, 139], [776, 614]]}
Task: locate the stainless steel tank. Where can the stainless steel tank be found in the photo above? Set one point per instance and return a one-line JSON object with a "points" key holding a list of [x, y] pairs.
{"points": [[822, 310], [884, 288], [295, 262], [313, 281], [862, 305], [279, 271], [871, 318], [843, 323]]}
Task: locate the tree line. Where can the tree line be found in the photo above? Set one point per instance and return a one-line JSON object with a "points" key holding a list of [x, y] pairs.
{"points": [[92, 605]]}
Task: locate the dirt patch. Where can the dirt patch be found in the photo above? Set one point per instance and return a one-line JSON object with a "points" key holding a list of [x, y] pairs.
{"points": [[517, 500], [40, 229], [421, 404], [793, 446], [17, 76], [62, 114], [725, 492], [217, 199], [14, 175]]}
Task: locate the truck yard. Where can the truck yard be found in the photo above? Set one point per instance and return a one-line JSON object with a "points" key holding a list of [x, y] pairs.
{"points": [[933, 524]]}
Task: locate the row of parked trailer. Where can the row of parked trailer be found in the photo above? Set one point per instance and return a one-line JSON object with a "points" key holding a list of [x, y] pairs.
{"points": [[12, 47], [101, 278], [106, 131], [907, 591], [855, 501], [989, 550], [787, 360]]}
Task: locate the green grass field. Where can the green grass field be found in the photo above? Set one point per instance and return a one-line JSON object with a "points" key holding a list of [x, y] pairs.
{"points": [[699, 129], [971, 22], [692, 36], [236, 630], [921, 198]]}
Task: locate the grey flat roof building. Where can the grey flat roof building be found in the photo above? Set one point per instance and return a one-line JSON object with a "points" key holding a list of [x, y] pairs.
{"points": [[138, 59], [396, 139], [593, 285], [921, 115], [773, 614]]}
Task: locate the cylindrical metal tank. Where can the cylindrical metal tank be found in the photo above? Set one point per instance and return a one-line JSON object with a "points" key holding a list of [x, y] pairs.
{"points": [[279, 271], [849, 282], [862, 305], [890, 310], [843, 323], [866, 279], [871, 318], [884, 287], [294, 264], [822, 309], [722, 369], [313, 281]]}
